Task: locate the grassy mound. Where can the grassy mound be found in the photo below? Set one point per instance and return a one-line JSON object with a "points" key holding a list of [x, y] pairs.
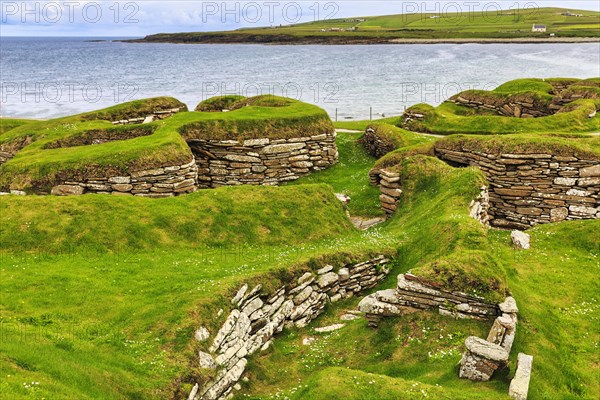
{"points": [[47, 153], [218, 104], [135, 109], [546, 96], [260, 117]]}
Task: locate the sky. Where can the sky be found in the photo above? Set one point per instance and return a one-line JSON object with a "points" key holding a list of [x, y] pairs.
{"points": [[117, 18]]}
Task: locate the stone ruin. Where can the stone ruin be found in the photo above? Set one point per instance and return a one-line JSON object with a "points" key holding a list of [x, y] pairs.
{"points": [[524, 189], [483, 357], [257, 318], [414, 294]]}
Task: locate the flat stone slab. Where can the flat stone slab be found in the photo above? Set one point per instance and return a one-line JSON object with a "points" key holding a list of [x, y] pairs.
{"points": [[330, 328], [485, 349]]}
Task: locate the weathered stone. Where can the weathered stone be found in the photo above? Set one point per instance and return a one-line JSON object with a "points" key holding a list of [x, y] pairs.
{"points": [[583, 211], [594, 170], [534, 211], [481, 359], [226, 381], [559, 214], [120, 179], [201, 334], [193, 392], [519, 386], [565, 181], [225, 330], [305, 278], [371, 305], [325, 269], [282, 148], [240, 158], [206, 361], [343, 274], [67, 190], [588, 181], [330, 328], [256, 142], [509, 306], [122, 187], [520, 239], [303, 295], [327, 279], [252, 306]]}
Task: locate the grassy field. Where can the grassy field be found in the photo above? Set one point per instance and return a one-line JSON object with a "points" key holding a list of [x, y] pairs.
{"points": [[446, 25], [100, 296], [350, 177], [7, 124]]}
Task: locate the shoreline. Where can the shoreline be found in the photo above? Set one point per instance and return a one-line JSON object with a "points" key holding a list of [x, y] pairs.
{"points": [[278, 41]]}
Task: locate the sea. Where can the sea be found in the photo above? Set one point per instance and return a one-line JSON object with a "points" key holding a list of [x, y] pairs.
{"points": [[45, 78]]}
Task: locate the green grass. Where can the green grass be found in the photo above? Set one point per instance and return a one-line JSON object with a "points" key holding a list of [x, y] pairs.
{"points": [[505, 24], [40, 161], [350, 176], [218, 104], [558, 324], [100, 295], [363, 124], [7, 124], [203, 219]]}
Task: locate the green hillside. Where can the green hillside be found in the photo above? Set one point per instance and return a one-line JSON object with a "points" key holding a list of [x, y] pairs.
{"points": [[494, 24]]}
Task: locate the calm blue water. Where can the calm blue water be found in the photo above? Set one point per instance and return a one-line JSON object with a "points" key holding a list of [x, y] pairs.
{"points": [[51, 77]]}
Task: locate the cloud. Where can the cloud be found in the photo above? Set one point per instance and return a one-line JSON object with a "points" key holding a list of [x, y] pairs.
{"points": [[139, 18]]}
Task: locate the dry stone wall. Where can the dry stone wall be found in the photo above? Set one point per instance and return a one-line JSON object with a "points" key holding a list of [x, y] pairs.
{"points": [[376, 145], [530, 189], [256, 318], [518, 106], [507, 107], [413, 294], [155, 183], [261, 161], [389, 186]]}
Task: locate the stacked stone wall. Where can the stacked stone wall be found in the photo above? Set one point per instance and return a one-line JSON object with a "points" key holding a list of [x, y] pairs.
{"points": [[413, 294], [160, 182], [530, 189], [261, 161]]}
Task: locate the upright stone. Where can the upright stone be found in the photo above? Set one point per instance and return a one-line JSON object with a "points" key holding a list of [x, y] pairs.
{"points": [[519, 386]]}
